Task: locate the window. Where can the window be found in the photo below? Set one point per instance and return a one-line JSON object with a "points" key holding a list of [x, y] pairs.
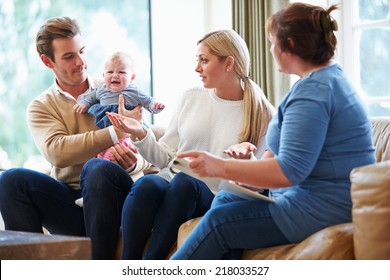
{"points": [[106, 27], [367, 51], [364, 49], [176, 27]]}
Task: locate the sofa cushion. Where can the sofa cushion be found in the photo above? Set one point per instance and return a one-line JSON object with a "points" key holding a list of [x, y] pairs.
{"points": [[371, 210], [332, 243]]}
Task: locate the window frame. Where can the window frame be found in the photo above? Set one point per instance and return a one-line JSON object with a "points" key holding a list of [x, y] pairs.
{"points": [[350, 51], [27, 77]]}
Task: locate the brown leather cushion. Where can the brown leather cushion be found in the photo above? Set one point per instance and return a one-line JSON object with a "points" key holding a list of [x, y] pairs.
{"points": [[332, 243], [371, 210]]}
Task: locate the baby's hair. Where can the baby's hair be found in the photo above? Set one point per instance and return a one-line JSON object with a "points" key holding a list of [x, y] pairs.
{"points": [[121, 57]]}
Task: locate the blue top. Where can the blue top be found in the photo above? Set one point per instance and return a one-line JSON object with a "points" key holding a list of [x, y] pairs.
{"points": [[320, 133], [132, 94]]}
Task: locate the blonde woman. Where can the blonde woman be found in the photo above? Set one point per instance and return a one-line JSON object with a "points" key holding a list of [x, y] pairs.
{"points": [[229, 109]]}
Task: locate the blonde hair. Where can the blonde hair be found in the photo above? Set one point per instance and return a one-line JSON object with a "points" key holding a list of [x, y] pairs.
{"points": [[121, 57], [258, 111]]}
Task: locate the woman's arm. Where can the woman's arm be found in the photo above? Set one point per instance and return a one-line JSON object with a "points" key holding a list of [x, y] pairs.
{"points": [[265, 173]]}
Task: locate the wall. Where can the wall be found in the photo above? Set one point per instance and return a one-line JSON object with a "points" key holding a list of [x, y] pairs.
{"points": [[176, 27]]}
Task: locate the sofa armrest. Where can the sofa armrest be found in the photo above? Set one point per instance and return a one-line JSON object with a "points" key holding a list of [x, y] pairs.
{"points": [[370, 193]]}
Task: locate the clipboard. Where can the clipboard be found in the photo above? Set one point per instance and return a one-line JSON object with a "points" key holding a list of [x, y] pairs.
{"points": [[243, 192], [182, 165]]}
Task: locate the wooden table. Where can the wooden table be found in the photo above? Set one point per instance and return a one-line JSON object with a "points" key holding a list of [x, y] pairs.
{"points": [[16, 245]]}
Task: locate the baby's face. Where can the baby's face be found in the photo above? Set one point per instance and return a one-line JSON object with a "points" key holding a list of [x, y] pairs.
{"points": [[117, 76]]}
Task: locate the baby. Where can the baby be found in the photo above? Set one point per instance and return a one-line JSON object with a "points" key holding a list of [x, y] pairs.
{"points": [[118, 79]]}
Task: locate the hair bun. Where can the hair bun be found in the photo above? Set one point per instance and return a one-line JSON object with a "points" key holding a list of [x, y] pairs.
{"points": [[334, 25]]}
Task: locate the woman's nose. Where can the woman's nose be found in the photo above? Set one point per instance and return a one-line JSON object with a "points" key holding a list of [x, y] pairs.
{"points": [[197, 68]]}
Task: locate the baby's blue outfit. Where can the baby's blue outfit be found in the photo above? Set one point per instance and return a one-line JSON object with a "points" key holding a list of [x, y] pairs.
{"points": [[101, 100]]}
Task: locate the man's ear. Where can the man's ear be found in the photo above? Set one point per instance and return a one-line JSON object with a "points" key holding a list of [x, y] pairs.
{"points": [[133, 77], [47, 61]]}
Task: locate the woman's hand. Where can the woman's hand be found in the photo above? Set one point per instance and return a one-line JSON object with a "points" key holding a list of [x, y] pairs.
{"points": [[127, 125], [204, 164], [241, 151]]}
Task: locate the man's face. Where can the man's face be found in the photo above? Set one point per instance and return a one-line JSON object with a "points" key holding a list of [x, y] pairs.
{"points": [[69, 65]]}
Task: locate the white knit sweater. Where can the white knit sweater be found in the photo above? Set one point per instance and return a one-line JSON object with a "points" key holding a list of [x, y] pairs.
{"points": [[202, 121]]}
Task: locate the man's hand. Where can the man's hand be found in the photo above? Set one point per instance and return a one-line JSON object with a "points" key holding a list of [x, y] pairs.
{"points": [[136, 113], [124, 156]]}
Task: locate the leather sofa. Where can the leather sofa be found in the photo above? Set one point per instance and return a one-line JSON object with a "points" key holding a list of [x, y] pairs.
{"points": [[366, 237]]}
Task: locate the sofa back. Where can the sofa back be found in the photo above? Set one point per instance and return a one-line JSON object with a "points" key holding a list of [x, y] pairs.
{"points": [[381, 138], [370, 191]]}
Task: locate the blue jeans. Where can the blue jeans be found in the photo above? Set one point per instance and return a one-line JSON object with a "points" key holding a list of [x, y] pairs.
{"points": [[232, 224], [154, 211], [30, 200]]}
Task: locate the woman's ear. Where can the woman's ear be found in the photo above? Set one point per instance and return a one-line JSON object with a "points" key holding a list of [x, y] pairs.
{"points": [[47, 61], [229, 63], [291, 43]]}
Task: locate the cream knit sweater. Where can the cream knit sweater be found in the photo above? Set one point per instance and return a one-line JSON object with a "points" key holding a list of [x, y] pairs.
{"points": [[202, 121]]}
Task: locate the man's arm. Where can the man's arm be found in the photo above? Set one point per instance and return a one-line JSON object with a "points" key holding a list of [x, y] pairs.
{"points": [[64, 137]]}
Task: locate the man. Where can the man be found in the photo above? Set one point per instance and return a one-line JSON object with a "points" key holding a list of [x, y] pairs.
{"points": [[30, 200]]}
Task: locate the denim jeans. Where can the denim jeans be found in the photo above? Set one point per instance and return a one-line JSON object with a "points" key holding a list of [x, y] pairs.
{"points": [[232, 224], [154, 211], [30, 200]]}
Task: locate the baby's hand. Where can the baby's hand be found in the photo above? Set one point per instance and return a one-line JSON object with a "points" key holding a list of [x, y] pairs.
{"points": [[80, 108], [157, 105]]}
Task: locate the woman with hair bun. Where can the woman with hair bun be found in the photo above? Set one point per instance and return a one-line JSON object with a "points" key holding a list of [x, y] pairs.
{"points": [[320, 133]]}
